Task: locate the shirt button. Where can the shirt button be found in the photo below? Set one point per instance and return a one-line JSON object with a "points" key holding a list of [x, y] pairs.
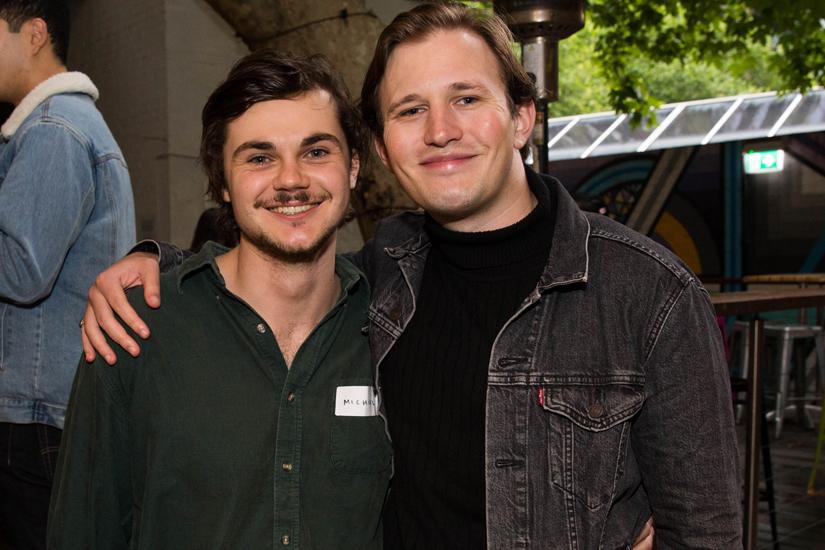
{"points": [[290, 397], [261, 328], [287, 467], [285, 540]]}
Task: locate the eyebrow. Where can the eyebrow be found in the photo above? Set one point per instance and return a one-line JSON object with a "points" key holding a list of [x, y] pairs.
{"points": [[454, 87], [315, 138]]}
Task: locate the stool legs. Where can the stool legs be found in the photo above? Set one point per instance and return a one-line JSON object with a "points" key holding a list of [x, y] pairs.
{"points": [[785, 353], [819, 443]]}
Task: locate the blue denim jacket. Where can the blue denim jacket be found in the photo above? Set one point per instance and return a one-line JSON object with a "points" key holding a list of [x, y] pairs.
{"points": [[66, 213], [608, 396]]}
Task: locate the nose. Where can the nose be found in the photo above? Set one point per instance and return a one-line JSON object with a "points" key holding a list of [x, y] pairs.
{"points": [[290, 176], [442, 126]]}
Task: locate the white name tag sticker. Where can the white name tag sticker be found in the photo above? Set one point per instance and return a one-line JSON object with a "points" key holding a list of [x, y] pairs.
{"points": [[356, 401]]}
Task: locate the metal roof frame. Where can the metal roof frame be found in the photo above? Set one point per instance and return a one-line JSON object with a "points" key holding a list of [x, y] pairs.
{"points": [[740, 117]]}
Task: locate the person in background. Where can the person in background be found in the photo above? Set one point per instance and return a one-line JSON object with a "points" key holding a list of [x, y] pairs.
{"points": [[66, 211], [212, 226]]}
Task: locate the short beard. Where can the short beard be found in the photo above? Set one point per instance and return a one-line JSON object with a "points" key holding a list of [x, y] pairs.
{"points": [[278, 252]]}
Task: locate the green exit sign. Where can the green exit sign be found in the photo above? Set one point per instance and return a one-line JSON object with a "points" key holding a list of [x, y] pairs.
{"points": [[761, 162]]}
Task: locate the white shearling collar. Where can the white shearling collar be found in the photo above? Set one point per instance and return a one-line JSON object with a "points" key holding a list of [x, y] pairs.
{"points": [[61, 83]]}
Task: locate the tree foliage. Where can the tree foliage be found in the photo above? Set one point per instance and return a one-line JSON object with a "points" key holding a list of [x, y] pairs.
{"points": [[779, 41], [584, 88]]}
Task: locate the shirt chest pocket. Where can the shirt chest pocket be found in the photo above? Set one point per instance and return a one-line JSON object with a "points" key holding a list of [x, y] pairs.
{"points": [[358, 438], [589, 427]]}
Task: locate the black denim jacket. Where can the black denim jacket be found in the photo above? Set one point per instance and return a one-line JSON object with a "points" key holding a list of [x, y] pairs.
{"points": [[608, 398]]}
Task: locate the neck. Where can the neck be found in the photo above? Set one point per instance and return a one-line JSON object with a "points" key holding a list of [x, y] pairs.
{"points": [[301, 292], [292, 298], [38, 73]]}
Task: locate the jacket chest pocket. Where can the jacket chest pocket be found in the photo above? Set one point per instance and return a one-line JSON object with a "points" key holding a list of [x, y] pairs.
{"points": [[589, 427]]}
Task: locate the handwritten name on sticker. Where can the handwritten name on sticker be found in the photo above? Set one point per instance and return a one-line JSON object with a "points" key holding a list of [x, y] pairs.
{"points": [[356, 401]]}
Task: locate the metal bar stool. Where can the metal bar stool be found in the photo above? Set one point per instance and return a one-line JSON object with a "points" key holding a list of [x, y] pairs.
{"points": [[787, 337]]}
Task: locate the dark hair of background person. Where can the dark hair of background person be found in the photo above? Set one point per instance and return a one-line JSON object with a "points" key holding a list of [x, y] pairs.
{"points": [[422, 21], [265, 75], [54, 12], [209, 228]]}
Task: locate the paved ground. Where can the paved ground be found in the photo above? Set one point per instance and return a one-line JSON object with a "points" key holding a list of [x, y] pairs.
{"points": [[800, 518]]}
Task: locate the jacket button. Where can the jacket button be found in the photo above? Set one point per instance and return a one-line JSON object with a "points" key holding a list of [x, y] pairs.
{"points": [[285, 540], [290, 397], [596, 410], [287, 467], [261, 328]]}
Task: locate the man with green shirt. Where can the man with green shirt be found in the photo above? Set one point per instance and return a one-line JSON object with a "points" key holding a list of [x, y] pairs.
{"points": [[250, 419]]}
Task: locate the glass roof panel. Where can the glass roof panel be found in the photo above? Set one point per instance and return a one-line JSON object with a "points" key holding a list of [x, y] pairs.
{"points": [[626, 139], [809, 115], [692, 125], [579, 138], [754, 118]]}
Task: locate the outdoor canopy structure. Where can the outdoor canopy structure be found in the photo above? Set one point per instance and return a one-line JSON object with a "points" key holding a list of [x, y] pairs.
{"points": [[680, 130], [688, 123]]}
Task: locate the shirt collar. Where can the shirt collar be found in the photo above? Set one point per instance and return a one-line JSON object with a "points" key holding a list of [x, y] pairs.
{"points": [[206, 258]]}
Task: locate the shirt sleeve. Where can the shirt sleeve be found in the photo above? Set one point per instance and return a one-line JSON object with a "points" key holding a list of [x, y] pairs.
{"points": [[45, 200], [91, 503], [169, 255], [684, 439]]}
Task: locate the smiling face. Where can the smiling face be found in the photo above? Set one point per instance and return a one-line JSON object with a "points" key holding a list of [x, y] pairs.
{"points": [[288, 175], [449, 135]]}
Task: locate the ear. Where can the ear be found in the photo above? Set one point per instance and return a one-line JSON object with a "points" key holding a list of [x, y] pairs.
{"points": [[354, 167], [37, 33], [226, 197], [381, 149], [524, 120]]}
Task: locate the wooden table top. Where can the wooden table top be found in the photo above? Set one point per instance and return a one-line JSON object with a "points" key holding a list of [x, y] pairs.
{"points": [[794, 278], [757, 301]]}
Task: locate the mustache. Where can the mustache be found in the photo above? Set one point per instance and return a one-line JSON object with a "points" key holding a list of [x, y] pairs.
{"points": [[285, 198]]}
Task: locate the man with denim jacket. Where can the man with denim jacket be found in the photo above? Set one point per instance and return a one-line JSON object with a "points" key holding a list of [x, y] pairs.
{"points": [[66, 211], [550, 378]]}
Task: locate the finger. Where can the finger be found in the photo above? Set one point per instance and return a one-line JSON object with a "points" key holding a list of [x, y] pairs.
{"points": [[113, 298], [92, 334], [88, 349], [645, 539], [103, 318], [151, 285]]}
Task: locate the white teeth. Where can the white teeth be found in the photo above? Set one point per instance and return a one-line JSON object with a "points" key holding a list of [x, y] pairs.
{"points": [[290, 210]]}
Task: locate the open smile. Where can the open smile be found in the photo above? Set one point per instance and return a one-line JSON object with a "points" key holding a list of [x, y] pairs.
{"points": [[292, 210]]}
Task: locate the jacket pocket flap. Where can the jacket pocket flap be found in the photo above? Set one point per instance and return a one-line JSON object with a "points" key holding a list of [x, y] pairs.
{"points": [[594, 407]]}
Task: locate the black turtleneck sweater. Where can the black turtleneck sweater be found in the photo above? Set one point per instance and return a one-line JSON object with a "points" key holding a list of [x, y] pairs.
{"points": [[434, 378]]}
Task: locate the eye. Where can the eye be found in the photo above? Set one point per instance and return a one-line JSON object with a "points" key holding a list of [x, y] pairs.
{"points": [[258, 160], [468, 100], [317, 153], [412, 111]]}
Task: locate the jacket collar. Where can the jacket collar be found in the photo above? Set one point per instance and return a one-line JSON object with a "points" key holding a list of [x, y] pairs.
{"points": [[61, 83], [569, 259]]}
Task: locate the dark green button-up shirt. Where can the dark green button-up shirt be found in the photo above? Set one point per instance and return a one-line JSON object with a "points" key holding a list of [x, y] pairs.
{"points": [[207, 440]]}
